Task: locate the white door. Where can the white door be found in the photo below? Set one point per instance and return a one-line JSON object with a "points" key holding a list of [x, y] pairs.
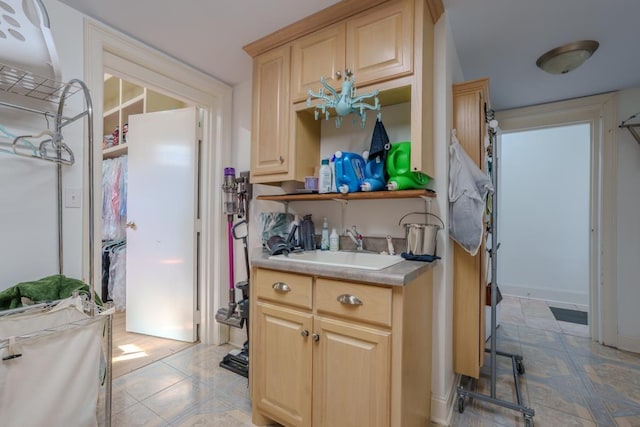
{"points": [[161, 216]]}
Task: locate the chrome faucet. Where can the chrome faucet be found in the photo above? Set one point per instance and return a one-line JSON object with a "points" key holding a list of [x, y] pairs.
{"points": [[356, 237]]}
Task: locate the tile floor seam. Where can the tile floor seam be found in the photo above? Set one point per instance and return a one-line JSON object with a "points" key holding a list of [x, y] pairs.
{"points": [[154, 412]]}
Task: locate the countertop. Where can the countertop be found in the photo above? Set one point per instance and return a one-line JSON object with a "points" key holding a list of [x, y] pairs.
{"points": [[397, 275]]}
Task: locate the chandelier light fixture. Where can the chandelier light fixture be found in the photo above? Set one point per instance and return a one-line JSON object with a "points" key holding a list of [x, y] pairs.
{"points": [[345, 102]]}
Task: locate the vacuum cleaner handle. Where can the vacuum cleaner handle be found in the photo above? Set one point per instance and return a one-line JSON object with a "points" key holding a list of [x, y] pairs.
{"points": [[244, 242], [233, 231]]}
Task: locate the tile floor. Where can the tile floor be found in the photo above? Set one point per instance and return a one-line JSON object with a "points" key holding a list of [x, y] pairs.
{"points": [[569, 381]]}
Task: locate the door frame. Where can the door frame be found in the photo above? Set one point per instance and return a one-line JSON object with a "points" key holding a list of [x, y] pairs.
{"points": [[599, 112], [107, 48]]}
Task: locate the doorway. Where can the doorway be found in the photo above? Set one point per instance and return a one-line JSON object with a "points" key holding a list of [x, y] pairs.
{"points": [[544, 224], [598, 112], [105, 49]]}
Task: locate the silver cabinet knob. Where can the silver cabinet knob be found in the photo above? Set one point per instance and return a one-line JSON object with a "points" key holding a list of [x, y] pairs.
{"points": [[304, 333], [281, 287], [347, 299], [315, 337], [132, 225], [338, 75], [281, 159]]}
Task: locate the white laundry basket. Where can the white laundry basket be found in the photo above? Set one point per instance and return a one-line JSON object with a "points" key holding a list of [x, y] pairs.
{"points": [[26, 43]]}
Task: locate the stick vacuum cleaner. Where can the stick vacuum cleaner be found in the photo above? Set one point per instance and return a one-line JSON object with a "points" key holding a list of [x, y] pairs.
{"points": [[236, 314]]}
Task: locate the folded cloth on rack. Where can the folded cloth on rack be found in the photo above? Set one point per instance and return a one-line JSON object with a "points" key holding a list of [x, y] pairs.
{"points": [[50, 288], [423, 258]]}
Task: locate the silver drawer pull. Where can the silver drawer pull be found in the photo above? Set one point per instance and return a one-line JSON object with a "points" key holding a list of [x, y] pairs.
{"points": [[349, 299], [281, 287]]}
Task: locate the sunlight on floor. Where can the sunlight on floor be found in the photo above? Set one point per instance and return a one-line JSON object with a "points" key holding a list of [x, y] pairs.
{"points": [[129, 351]]}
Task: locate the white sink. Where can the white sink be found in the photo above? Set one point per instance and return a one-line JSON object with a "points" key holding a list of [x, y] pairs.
{"points": [[364, 260]]}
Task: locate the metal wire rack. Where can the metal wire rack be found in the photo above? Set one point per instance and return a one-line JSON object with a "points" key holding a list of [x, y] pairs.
{"points": [[517, 362]]}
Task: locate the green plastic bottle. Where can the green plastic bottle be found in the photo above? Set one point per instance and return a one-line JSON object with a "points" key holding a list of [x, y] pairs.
{"points": [[401, 177]]}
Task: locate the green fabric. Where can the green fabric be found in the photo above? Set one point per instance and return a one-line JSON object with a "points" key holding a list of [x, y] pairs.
{"points": [[50, 288]]}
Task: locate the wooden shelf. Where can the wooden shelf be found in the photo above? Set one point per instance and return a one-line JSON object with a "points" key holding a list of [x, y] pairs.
{"points": [[360, 195], [118, 150]]}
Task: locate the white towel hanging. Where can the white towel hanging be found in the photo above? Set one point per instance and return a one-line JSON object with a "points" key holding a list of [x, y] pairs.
{"points": [[468, 190]]}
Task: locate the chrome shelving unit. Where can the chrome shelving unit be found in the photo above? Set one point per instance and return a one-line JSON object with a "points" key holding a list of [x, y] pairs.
{"points": [[38, 95]]}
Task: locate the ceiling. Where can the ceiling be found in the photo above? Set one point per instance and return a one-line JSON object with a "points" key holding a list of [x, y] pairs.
{"points": [[502, 39], [499, 39]]}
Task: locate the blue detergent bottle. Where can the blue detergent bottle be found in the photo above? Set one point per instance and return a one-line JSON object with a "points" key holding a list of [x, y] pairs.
{"points": [[373, 173], [401, 177], [349, 169]]}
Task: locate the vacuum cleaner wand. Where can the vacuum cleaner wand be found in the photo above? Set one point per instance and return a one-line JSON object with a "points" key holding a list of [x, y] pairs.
{"points": [[236, 193], [229, 316]]}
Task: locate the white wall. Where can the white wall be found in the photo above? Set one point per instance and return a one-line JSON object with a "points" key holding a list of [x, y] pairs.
{"points": [[543, 220], [447, 70], [28, 218], [628, 225], [241, 160]]}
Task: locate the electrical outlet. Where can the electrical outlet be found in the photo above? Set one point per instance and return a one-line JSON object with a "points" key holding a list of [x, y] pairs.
{"points": [[72, 198]]}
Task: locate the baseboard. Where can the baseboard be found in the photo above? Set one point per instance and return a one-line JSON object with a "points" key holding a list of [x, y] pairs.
{"points": [[628, 343], [442, 406], [546, 294]]}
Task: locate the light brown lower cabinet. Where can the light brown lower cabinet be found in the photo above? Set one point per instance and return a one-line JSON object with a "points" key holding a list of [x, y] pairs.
{"points": [[328, 352]]}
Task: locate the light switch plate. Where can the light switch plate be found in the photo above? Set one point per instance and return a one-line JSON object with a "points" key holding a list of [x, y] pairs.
{"points": [[72, 198]]}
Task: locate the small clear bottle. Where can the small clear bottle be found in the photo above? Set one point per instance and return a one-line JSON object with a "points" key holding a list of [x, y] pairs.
{"points": [[334, 241], [324, 237], [325, 177]]}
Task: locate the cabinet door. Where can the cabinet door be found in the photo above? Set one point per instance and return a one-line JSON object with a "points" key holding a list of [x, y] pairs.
{"points": [[351, 375], [282, 364], [469, 275], [320, 54], [380, 43], [271, 108]]}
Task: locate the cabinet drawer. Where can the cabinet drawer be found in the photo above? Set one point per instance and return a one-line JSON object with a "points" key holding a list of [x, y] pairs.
{"points": [[284, 288], [363, 303]]}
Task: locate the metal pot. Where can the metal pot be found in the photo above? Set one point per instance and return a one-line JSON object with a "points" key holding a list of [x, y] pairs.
{"points": [[421, 238]]}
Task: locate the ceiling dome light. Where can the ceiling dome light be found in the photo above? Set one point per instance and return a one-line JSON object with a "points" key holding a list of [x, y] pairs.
{"points": [[567, 58]]}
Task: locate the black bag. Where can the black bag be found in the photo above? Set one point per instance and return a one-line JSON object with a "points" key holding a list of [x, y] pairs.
{"points": [[380, 145]]}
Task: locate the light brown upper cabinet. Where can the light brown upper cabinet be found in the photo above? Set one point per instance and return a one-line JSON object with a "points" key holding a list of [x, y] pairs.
{"points": [[270, 153], [387, 45], [376, 45], [321, 54], [380, 43]]}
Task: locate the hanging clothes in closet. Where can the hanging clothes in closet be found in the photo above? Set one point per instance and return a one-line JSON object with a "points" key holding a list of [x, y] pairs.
{"points": [[114, 198], [114, 259], [114, 219]]}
